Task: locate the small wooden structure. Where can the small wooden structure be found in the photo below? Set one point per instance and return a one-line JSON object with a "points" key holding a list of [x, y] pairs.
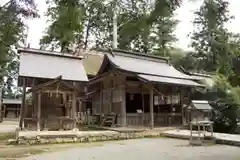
{"points": [[204, 133], [57, 83], [11, 105], [199, 115], [52, 107], [199, 111], [141, 90]]}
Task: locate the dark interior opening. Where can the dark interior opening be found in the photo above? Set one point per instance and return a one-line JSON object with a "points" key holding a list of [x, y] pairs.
{"points": [[135, 102]]}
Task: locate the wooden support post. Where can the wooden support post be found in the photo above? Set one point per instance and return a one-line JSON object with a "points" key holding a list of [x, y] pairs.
{"points": [[183, 110], [100, 106], [22, 112], [143, 109], [39, 111], [34, 99], [151, 109], [110, 92], [74, 109], [123, 108]]}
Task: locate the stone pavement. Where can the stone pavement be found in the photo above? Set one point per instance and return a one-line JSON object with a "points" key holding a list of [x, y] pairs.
{"points": [[232, 139]]}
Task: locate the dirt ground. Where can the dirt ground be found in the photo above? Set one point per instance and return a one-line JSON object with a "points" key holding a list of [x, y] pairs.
{"points": [[141, 149], [11, 152]]}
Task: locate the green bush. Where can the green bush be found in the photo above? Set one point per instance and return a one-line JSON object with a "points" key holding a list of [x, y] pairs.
{"points": [[225, 101]]}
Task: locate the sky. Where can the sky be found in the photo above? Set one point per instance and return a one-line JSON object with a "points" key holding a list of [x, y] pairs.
{"points": [[184, 15]]}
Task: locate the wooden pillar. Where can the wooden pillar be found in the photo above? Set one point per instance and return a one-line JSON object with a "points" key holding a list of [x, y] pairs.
{"points": [[74, 109], [151, 109], [143, 109], [65, 102], [39, 111], [34, 99], [110, 93], [100, 105], [22, 112], [183, 110], [123, 122], [79, 106]]}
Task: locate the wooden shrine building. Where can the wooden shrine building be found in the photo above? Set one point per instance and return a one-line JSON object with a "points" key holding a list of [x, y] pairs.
{"points": [[140, 90], [11, 107], [57, 81]]}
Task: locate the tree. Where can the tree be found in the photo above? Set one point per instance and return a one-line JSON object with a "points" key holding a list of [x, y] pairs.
{"points": [[211, 40], [225, 101], [164, 25], [12, 33], [66, 26], [148, 26], [98, 22], [75, 22]]}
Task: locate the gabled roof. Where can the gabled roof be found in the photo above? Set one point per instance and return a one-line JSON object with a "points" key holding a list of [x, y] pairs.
{"points": [[92, 62], [147, 67], [201, 105], [36, 63], [207, 79], [57, 81], [168, 80]]}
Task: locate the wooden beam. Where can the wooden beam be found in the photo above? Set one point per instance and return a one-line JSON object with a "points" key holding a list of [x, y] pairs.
{"points": [[22, 112], [57, 79], [39, 111], [151, 109]]}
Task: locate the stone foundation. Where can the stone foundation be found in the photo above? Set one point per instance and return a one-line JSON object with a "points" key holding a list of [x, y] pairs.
{"points": [[54, 137]]}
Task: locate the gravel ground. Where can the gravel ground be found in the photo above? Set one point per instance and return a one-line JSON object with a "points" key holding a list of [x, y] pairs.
{"points": [[144, 149], [8, 126]]}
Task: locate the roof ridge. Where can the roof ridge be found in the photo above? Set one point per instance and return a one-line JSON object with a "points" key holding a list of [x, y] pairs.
{"points": [[203, 74], [49, 53], [131, 53]]}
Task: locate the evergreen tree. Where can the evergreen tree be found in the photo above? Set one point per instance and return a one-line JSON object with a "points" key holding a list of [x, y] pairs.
{"points": [[211, 40], [66, 26], [12, 34]]}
